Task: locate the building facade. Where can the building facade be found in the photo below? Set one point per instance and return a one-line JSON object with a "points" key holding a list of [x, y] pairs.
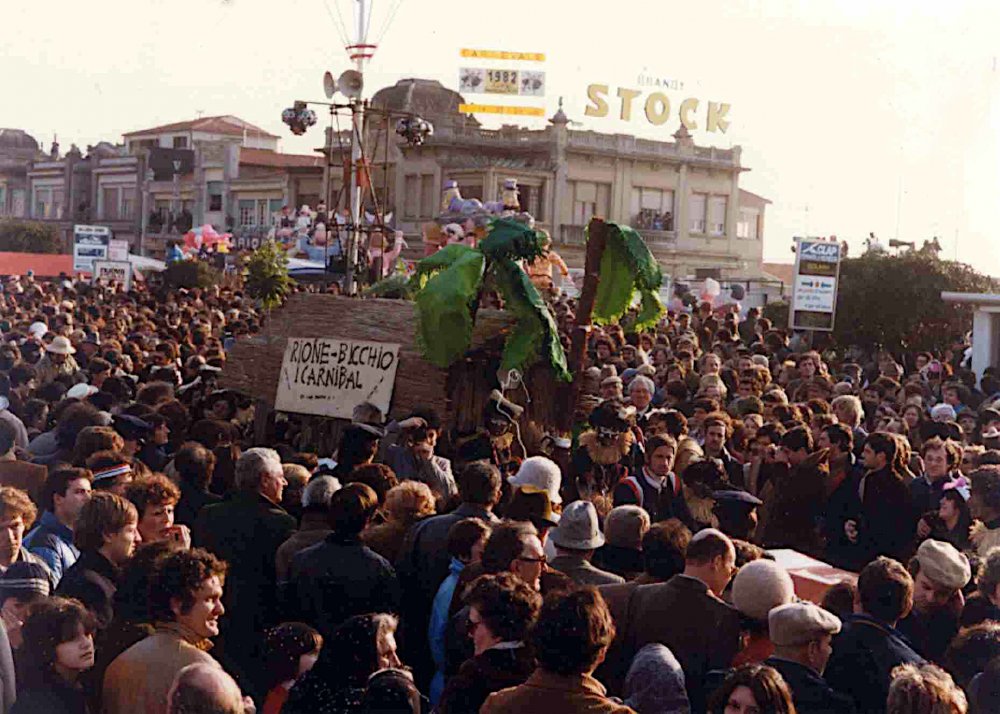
{"points": [[149, 189], [684, 199]]}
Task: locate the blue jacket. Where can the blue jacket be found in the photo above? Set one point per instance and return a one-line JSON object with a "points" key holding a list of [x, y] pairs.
{"points": [[439, 624], [51, 541]]}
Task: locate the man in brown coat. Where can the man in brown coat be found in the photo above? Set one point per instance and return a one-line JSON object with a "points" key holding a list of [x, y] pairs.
{"points": [[570, 639], [20, 474], [687, 614], [663, 550]]}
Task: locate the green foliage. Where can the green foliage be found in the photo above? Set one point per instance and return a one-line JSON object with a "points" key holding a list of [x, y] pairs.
{"points": [[895, 301], [448, 285], [190, 274], [445, 306], [777, 312], [535, 333], [627, 268], [395, 287], [266, 274], [28, 237]]}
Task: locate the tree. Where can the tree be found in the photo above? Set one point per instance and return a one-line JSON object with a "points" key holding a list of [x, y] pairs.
{"points": [[267, 277], [190, 274], [895, 301], [28, 237]]}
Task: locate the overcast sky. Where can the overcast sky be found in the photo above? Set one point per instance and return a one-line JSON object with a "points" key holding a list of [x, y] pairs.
{"points": [[854, 116]]}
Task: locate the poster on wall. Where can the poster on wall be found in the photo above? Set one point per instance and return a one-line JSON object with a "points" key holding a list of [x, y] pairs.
{"points": [[814, 293], [113, 271], [118, 250], [330, 376], [90, 243]]}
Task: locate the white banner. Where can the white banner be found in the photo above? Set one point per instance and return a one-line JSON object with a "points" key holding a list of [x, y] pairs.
{"points": [[113, 271], [90, 243], [329, 376]]}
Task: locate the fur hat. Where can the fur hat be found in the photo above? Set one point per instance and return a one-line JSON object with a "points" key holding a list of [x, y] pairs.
{"points": [[761, 586], [612, 414]]}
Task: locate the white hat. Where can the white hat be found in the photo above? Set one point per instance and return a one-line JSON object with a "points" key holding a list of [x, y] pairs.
{"points": [[578, 528], [541, 473], [944, 564], [761, 586], [81, 391], [61, 346], [38, 329]]}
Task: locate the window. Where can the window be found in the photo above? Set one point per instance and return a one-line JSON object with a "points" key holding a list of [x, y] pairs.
{"points": [[717, 215], [247, 213], [529, 196], [127, 205], [3, 200], [215, 195], [411, 196], [273, 210], [180, 142], [652, 209], [704, 273], [109, 203], [589, 200], [429, 198], [696, 207], [42, 204], [17, 202], [746, 226]]}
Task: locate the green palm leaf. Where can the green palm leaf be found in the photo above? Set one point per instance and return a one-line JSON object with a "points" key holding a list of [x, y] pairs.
{"points": [[627, 267]]}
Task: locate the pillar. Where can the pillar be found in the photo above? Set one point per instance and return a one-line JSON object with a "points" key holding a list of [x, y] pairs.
{"points": [[985, 340]]}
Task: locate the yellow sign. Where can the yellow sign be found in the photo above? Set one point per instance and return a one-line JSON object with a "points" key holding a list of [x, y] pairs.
{"points": [[496, 109], [504, 55], [656, 107]]}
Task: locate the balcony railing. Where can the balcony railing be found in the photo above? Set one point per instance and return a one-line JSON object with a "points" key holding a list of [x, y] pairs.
{"points": [[576, 235], [654, 237]]}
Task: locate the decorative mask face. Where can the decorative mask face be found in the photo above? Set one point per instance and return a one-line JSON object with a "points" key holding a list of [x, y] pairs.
{"points": [[497, 426], [606, 436]]}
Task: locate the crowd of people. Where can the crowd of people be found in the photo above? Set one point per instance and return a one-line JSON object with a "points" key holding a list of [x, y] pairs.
{"points": [[154, 558]]}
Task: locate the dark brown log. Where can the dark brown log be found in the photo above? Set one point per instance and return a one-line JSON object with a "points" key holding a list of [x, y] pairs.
{"points": [[597, 238]]}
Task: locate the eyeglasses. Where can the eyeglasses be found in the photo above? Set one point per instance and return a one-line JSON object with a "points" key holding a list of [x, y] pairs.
{"points": [[539, 559]]}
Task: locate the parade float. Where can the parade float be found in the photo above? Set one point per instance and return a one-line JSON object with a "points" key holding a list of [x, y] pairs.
{"points": [[467, 323]]}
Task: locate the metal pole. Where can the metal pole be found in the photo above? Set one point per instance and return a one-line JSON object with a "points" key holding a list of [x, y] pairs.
{"points": [[354, 237], [357, 126]]}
